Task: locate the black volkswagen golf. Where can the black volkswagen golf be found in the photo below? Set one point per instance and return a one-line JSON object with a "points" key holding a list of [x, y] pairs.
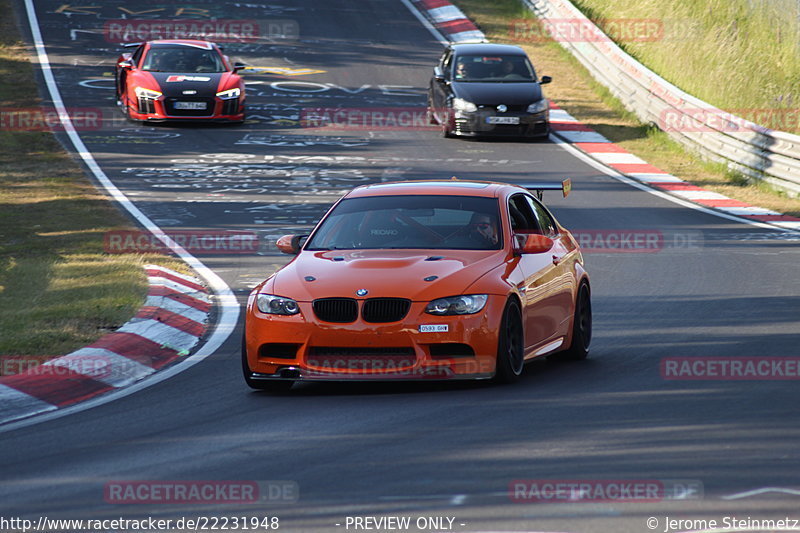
{"points": [[488, 89]]}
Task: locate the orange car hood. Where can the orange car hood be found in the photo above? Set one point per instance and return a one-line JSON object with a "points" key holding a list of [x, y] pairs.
{"points": [[384, 273]]}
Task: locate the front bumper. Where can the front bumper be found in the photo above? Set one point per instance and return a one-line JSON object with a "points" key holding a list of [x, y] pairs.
{"points": [[478, 123], [163, 109], [303, 348]]}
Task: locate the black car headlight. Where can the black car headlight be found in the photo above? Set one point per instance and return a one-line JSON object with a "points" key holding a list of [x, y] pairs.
{"points": [[276, 305], [230, 93], [144, 92], [464, 106], [467, 304], [538, 107]]}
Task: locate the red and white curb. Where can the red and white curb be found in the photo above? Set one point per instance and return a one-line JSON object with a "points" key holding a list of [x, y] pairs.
{"points": [[450, 21], [171, 322], [454, 25], [593, 144]]}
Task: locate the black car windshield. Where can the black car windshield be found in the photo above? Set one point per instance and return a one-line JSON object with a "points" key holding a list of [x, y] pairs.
{"points": [[413, 221], [488, 68], [183, 59]]}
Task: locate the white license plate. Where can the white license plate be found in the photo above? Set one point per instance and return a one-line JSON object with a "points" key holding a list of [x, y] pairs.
{"points": [[433, 328], [190, 105], [502, 120]]}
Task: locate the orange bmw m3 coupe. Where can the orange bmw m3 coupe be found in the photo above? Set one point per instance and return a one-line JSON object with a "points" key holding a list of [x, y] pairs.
{"points": [[421, 280]]}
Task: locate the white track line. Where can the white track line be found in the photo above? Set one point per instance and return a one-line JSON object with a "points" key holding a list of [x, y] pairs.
{"points": [[228, 305], [757, 492], [633, 183], [431, 28]]}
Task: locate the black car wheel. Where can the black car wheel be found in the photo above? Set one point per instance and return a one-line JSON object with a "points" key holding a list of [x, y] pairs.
{"points": [[510, 356], [430, 115], [265, 385], [446, 131], [581, 327], [446, 122], [126, 110]]}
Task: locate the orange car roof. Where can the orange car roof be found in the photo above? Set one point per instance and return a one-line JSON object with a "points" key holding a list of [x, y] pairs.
{"points": [[434, 187], [206, 45]]}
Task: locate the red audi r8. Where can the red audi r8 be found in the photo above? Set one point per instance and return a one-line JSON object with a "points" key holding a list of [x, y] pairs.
{"points": [[179, 80], [421, 280]]}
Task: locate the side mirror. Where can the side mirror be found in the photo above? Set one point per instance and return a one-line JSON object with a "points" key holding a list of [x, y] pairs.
{"points": [[290, 244], [545, 80], [534, 243], [127, 63], [438, 75], [239, 66]]}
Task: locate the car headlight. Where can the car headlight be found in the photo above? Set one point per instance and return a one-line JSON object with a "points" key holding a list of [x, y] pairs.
{"points": [[459, 104], [538, 107], [276, 305], [457, 305], [150, 94], [230, 93]]}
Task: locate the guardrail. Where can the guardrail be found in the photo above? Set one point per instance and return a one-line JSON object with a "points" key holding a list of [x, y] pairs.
{"points": [[755, 151]]}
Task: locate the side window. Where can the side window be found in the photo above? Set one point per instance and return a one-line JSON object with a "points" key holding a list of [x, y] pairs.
{"points": [[137, 55], [521, 215], [543, 218]]}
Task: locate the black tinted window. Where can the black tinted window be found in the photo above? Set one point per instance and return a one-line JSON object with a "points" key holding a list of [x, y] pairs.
{"points": [[427, 222], [515, 68]]}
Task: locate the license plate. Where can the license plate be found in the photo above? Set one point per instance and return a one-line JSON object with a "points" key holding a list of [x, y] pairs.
{"points": [[433, 328], [502, 120], [190, 105]]}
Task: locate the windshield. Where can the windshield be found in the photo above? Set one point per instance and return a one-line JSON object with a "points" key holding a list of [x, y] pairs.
{"points": [[510, 68], [183, 59], [426, 222]]}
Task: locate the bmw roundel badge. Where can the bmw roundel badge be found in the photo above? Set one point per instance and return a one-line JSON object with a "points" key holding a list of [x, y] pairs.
{"points": [[502, 108], [362, 292]]}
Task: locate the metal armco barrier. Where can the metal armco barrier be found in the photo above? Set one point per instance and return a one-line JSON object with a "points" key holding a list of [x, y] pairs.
{"points": [[755, 151]]}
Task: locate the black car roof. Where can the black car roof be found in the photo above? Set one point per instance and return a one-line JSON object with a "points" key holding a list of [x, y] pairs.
{"points": [[487, 48]]}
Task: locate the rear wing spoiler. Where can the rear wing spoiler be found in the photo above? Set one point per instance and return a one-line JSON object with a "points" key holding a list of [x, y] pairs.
{"points": [[131, 45], [564, 186]]}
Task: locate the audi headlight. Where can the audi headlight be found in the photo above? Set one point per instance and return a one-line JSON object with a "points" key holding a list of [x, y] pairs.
{"points": [[276, 305], [538, 107], [465, 106], [150, 94], [457, 305], [230, 93]]}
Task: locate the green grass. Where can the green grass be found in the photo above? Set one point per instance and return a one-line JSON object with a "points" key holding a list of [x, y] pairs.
{"points": [[742, 56], [58, 289]]}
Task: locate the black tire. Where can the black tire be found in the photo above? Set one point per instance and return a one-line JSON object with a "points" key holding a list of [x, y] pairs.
{"points": [[581, 327], [127, 112], [276, 386], [446, 131], [430, 115], [510, 345]]}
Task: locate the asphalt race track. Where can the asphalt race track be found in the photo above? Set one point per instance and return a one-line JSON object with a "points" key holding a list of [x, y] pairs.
{"points": [[713, 288]]}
